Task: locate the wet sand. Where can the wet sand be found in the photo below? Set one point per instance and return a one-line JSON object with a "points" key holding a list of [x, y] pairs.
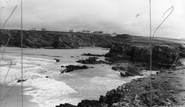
{"points": [[14, 97]]}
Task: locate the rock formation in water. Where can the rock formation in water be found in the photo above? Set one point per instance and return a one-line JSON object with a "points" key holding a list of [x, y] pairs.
{"points": [[90, 54], [92, 60], [57, 60], [70, 68]]}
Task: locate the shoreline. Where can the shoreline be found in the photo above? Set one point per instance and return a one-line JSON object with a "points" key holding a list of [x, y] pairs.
{"points": [[37, 88], [168, 89], [36, 80], [14, 97], [36, 76]]}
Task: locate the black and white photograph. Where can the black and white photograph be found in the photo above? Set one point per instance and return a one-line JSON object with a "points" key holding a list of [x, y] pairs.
{"points": [[92, 53]]}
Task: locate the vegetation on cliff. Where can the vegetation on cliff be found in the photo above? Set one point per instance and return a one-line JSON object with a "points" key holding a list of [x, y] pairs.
{"points": [[54, 39]]}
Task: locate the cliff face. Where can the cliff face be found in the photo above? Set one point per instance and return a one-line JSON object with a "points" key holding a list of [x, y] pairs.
{"points": [[53, 39], [163, 54]]}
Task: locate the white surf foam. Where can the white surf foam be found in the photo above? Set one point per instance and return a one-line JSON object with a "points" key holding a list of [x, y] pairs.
{"points": [[47, 92]]}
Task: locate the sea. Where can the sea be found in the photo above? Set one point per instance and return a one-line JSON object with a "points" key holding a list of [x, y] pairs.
{"points": [[45, 85]]}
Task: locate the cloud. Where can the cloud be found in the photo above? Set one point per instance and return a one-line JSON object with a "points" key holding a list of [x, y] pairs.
{"points": [[107, 15]]}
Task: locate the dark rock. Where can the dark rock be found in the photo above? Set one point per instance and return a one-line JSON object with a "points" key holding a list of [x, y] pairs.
{"points": [[182, 50], [89, 54], [119, 68], [163, 55], [19, 80], [65, 105], [92, 60], [89, 103], [127, 71], [70, 68], [133, 71], [157, 72], [123, 74], [57, 60]]}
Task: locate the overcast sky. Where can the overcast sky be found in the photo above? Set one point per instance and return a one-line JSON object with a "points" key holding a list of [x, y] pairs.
{"points": [[120, 16]]}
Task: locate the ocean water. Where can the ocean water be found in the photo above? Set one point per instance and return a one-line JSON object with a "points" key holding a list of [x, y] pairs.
{"points": [[58, 88]]}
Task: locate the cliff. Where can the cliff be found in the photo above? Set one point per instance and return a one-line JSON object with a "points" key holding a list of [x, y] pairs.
{"points": [[54, 39], [164, 53]]}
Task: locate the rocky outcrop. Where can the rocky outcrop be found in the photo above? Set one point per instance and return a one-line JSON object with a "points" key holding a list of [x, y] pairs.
{"points": [[163, 55], [21, 80], [66, 105], [54, 39], [92, 60], [119, 68], [89, 103], [127, 71], [136, 93], [131, 71], [57, 60], [89, 54], [182, 50], [70, 68], [139, 93]]}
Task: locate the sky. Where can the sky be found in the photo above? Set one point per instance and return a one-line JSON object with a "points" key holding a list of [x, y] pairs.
{"points": [[120, 16]]}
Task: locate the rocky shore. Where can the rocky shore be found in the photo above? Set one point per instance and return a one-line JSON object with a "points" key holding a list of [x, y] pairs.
{"points": [[164, 89], [164, 92]]}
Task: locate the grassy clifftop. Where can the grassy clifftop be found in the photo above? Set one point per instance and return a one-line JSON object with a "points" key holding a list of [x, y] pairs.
{"points": [[54, 39]]}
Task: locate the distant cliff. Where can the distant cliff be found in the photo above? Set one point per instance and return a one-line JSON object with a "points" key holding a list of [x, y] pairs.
{"points": [[54, 39]]}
